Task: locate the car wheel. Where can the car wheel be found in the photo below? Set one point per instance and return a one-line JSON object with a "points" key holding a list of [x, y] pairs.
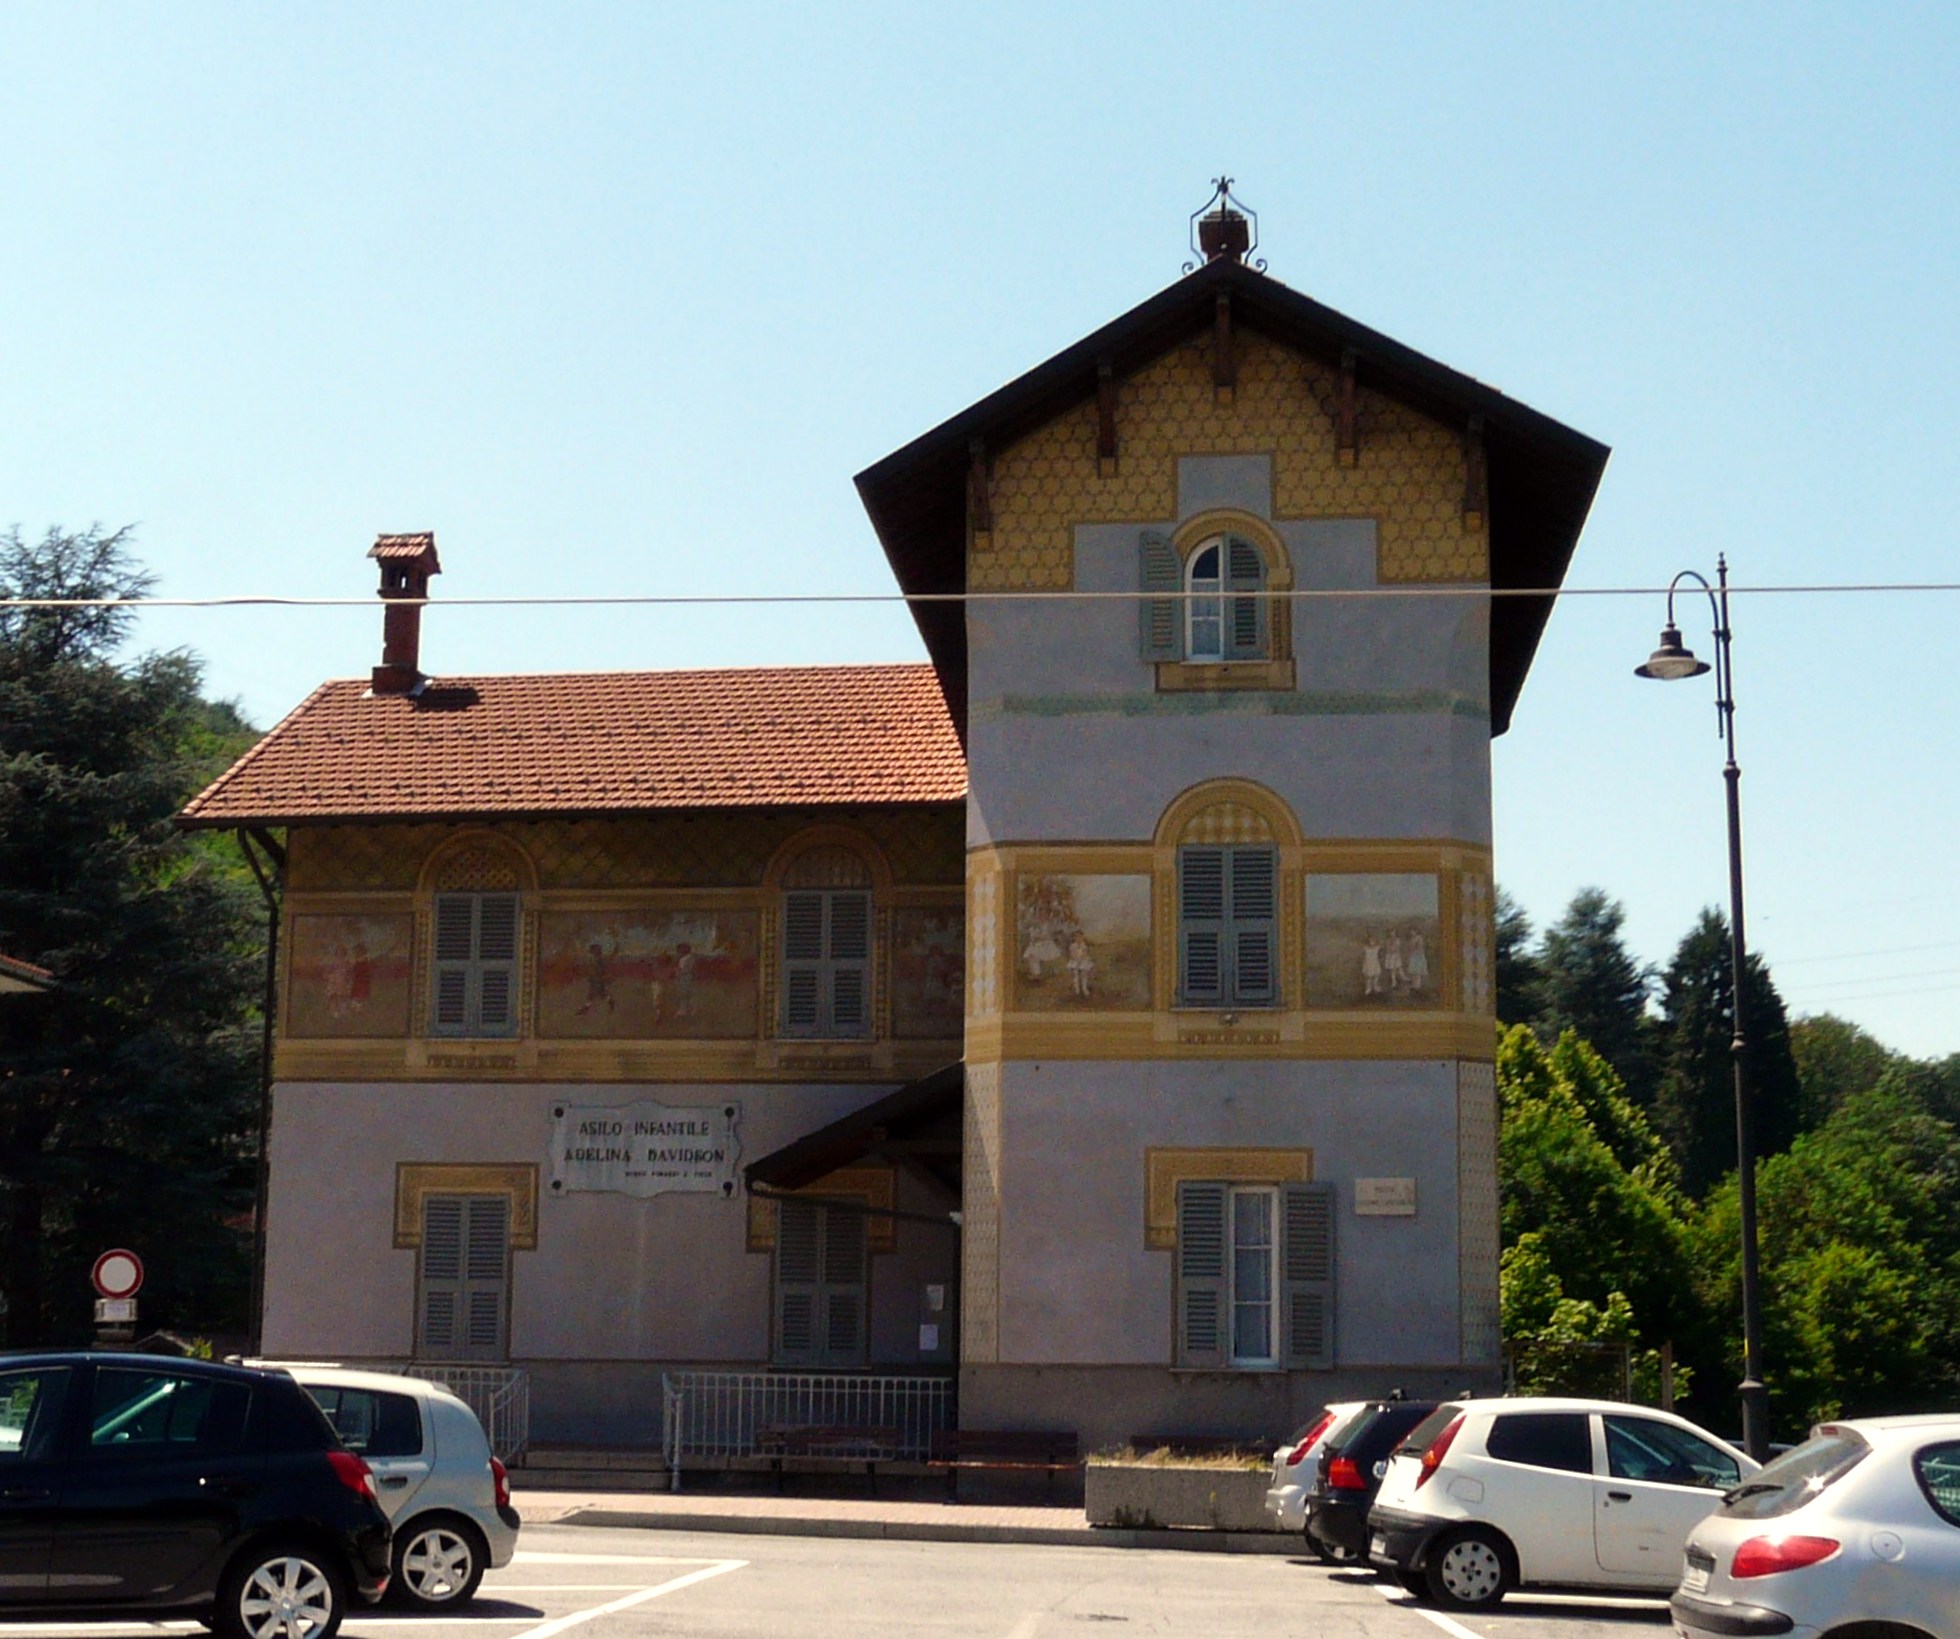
{"points": [[439, 1562], [1410, 1582], [1331, 1553], [1468, 1571], [283, 1591]]}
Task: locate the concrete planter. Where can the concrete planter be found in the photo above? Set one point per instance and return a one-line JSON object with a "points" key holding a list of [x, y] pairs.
{"points": [[1150, 1494]]}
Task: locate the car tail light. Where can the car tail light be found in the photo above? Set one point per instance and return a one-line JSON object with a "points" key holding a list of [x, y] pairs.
{"points": [[500, 1478], [1438, 1450], [1344, 1475], [353, 1473], [1306, 1445], [1765, 1556]]}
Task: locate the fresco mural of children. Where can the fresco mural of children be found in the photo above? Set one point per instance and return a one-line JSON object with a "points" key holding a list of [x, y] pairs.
{"points": [[1081, 965], [1417, 964], [1371, 966], [1392, 964], [598, 981]]}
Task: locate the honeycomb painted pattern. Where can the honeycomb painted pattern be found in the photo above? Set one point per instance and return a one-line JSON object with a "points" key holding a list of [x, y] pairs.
{"points": [[1409, 478], [662, 850], [1478, 941], [1227, 822]]}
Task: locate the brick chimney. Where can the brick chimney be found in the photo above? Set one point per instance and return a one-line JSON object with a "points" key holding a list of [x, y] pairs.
{"points": [[407, 562]]}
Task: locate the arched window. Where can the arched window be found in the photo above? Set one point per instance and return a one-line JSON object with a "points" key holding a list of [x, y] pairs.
{"points": [[476, 920], [1223, 614]]}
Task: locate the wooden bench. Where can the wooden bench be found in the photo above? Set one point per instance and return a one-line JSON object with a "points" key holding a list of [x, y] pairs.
{"points": [[1049, 1451], [838, 1442]]}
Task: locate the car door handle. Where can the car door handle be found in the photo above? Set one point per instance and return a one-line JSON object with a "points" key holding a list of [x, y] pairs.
{"points": [[25, 1493], [394, 1482], [227, 1485], [1619, 1496]]}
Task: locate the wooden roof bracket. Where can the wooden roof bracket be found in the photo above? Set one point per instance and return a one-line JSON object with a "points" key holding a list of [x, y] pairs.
{"points": [[979, 505], [1476, 475], [1224, 359], [1347, 423], [1105, 419]]}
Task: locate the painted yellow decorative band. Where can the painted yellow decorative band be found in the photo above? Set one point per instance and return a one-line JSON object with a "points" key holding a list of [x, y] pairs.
{"points": [[1165, 1169], [873, 1186], [1222, 677], [602, 1061], [415, 1180]]}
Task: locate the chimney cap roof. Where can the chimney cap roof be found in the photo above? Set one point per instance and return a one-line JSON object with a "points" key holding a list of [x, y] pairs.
{"points": [[416, 548]]}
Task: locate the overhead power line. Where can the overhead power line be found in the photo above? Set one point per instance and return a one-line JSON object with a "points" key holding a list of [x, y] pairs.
{"points": [[692, 600]]}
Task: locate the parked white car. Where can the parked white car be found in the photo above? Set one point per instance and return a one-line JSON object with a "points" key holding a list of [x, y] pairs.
{"points": [[1294, 1465], [1488, 1495], [445, 1493], [1857, 1529]]}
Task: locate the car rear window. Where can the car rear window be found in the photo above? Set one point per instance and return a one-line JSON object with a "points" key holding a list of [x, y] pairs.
{"points": [[372, 1423], [1937, 1469], [1425, 1432], [1544, 1439], [1383, 1432], [1797, 1476]]}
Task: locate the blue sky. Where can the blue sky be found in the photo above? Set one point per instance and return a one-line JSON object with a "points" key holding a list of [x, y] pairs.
{"points": [[618, 298]]}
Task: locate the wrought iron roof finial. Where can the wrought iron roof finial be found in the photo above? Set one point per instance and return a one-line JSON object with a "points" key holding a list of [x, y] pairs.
{"points": [[1222, 229]]}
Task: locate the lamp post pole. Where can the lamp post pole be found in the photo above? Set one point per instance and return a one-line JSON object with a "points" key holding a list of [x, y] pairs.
{"points": [[1672, 660]]}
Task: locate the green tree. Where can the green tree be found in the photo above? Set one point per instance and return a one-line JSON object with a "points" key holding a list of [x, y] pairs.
{"points": [[1590, 982], [1694, 1105], [1606, 1226], [1835, 1060], [1859, 1225], [128, 1093], [1518, 978]]}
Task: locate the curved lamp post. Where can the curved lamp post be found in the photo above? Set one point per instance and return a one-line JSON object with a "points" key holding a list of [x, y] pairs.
{"points": [[1671, 660]]}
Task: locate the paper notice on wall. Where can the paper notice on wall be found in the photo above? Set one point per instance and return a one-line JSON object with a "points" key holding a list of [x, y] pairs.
{"points": [[928, 1337]]}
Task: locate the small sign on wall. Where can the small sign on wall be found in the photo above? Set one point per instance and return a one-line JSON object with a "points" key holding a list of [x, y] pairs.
{"points": [[1384, 1197], [644, 1149]]}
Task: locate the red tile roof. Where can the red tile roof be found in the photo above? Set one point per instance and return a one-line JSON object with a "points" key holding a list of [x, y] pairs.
{"points": [[18, 975], [387, 547], [600, 742]]}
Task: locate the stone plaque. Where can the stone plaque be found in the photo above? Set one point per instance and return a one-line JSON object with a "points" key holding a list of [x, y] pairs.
{"points": [[1385, 1197], [645, 1149]]}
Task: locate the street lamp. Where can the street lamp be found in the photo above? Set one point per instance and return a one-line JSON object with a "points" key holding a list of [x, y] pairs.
{"points": [[1671, 660]]}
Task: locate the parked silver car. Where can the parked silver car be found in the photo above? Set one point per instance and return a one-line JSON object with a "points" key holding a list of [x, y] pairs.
{"points": [[1856, 1529], [445, 1493]]}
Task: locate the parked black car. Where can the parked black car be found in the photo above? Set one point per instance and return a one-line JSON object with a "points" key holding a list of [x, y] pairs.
{"points": [[140, 1485], [1352, 1464]]}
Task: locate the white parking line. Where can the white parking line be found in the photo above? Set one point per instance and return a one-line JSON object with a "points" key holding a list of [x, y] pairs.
{"points": [[720, 1567], [1457, 1629]]}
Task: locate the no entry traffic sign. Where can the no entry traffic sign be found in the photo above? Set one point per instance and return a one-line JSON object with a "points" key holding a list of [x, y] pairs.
{"points": [[117, 1274]]}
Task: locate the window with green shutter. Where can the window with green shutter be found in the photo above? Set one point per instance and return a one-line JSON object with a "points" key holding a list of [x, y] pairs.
{"points": [[1227, 925], [463, 1278], [822, 1297], [474, 970], [826, 962], [1255, 1276]]}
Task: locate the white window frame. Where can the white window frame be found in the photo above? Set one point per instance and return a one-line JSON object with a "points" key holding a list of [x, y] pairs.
{"points": [[1204, 603], [1234, 1300]]}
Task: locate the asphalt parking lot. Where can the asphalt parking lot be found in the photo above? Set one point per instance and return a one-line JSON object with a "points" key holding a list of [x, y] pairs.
{"points": [[627, 1584]]}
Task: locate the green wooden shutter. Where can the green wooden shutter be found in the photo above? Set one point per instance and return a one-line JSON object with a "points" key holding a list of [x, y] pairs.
{"points": [[1160, 624], [803, 942], [1254, 925], [848, 957], [1201, 924], [496, 964], [486, 1275], [799, 1269], [1307, 1277], [440, 1305], [1245, 617], [1201, 1274], [844, 1251], [455, 941]]}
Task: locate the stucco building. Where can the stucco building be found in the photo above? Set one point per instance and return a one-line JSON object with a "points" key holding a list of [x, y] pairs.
{"points": [[1100, 1014]]}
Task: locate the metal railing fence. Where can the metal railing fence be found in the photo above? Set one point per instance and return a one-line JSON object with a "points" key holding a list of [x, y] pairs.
{"points": [[499, 1395], [723, 1414]]}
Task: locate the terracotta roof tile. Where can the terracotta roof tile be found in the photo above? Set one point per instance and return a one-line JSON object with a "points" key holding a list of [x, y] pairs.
{"points": [[599, 742]]}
